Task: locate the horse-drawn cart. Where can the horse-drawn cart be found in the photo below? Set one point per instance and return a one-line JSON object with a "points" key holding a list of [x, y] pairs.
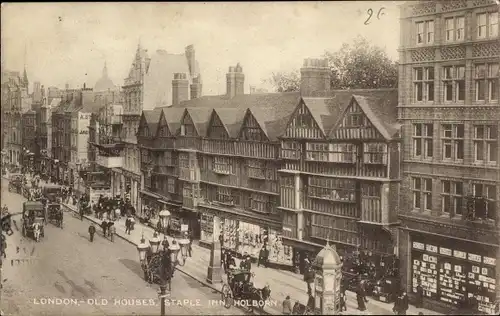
{"points": [[33, 219], [55, 214], [240, 287]]}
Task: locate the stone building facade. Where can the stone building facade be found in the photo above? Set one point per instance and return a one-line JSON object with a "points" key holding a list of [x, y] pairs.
{"points": [[449, 110]]}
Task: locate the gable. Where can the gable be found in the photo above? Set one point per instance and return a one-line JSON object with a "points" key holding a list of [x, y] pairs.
{"points": [[187, 125], [216, 129], [163, 129], [303, 125], [355, 124], [143, 129], [251, 129]]}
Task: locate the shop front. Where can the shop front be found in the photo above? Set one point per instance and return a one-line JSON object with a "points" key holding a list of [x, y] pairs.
{"points": [[451, 271], [178, 223], [245, 235]]}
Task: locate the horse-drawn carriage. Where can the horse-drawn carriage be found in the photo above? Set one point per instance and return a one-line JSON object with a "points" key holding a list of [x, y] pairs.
{"points": [[16, 183], [240, 287], [55, 214], [33, 219]]}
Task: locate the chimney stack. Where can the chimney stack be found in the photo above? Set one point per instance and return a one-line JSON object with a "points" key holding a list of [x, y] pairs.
{"points": [[180, 88], [235, 81], [191, 60], [196, 87], [314, 77]]}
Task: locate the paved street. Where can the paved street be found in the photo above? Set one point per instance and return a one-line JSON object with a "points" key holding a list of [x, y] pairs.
{"points": [[282, 283], [65, 265]]}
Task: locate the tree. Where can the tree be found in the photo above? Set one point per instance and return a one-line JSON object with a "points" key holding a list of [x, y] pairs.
{"points": [[285, 81], [360, 65], [357, 65]]}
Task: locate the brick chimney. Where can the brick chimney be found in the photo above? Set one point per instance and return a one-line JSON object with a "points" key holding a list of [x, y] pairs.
{"points": [[235, 81], [196, 87], [180, 88], [191, 60], [314, 76]]}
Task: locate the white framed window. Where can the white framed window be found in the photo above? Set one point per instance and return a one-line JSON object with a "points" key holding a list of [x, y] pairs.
{"points": [[423, 83], [486, 144], [423, 140], [450, 29], [453, 141], [460, 28], [493, 24], [420, 32], [452, 197], [481, 25], [454, 83], [486, 81], [429, 25], [422, 193]]}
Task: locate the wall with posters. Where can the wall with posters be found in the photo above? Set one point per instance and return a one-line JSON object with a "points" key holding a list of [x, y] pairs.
{"points": [[450, 271]]}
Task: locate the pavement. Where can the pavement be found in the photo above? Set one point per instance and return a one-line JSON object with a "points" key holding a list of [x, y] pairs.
{"points": [[282, 283], [66, 274]]}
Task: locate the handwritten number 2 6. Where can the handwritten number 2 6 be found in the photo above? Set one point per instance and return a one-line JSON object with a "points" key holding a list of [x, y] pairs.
{"points": [[370, 14]]}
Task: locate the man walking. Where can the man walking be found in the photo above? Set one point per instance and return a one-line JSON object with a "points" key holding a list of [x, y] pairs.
{"points": [[112, 231], [92, 232]]}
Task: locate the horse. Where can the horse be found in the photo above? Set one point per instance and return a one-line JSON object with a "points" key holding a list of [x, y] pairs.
{"points": [[37, 231], [257, 298]]}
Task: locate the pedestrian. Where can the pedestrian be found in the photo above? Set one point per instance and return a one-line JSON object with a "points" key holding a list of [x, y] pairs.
{"points": [[287, 306], [117, 213], [401, 304], [132, 222], [296, 308], [104, 225], [112, 231], [261, 256], [419, 303], [127, 226], [190, 245], [361, 296], [92, 232], [310, 304]]}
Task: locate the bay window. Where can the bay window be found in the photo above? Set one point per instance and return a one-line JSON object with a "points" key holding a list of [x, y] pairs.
{"points": [[223, 165], [317, 151], [344, 153], [332, 189], [375, 153], [260, 203], [226, 196], [290, 150]]}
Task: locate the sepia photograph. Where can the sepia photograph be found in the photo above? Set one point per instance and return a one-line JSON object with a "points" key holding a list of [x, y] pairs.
{"points": [[250, 158]]}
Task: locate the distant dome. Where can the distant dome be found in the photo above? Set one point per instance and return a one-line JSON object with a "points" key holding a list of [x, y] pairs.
{"points": [[104, 83]]}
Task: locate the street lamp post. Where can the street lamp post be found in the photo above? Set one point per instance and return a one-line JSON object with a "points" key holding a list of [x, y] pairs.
{"points": [[157, 265], [164, 220]]}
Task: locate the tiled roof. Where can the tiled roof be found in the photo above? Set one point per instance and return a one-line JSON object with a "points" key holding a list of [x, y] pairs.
{"points": [[173, 117], [200, 117], [232, 119], [382, 112], [158, 79], [152, 119]]}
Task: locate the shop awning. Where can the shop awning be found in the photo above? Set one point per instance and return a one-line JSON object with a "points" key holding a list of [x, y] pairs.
{"points": [[242, 215], [150, 194]]}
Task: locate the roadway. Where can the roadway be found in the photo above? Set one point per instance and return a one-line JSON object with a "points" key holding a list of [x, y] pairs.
{"points": [[66, 274]]}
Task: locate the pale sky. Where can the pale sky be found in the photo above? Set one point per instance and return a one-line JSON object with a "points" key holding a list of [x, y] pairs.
{"points": [[68, 43]]}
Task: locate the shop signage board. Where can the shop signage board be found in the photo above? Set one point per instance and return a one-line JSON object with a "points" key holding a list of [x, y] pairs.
{"points": [[451, 275]]}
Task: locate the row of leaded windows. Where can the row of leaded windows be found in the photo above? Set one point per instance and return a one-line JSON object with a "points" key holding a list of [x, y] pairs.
{"points": [[485, 142], [346, 153], [332, 189], [453, 83], [454, 30], [453, 200]]}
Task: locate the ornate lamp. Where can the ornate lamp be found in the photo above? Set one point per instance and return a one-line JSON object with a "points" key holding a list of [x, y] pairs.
{"points": [[142, 248], [164, 219], [174, 250], [155, 243]]}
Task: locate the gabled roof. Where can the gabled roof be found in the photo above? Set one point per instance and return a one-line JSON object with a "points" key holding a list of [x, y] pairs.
{"points": [[200, 117], [173, 117], [329, 109], [152, 118], [232, 119], [381, 112]]}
